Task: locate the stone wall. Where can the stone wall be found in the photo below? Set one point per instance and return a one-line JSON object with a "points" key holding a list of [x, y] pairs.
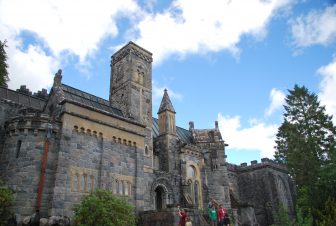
{"points": [[21, 161], [87, 161], [263, 186]]}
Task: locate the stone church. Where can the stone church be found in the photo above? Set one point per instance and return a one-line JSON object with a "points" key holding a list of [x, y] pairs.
{"points": [[56, 147]]}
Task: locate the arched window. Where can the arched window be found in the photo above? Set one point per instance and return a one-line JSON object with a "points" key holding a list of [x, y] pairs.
{"points": [[146, 150], [190, 187], [126, 188], [90, 184], [82, 183], [196, 187], [121, 187], [75, 183], [191, 171], [115, 187]]}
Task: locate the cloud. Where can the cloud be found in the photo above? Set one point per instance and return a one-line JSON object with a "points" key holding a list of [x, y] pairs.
{"points": [[74, 26], [327, 93], [157, 93], [31, 66], [317, 27], [258, 136], [56, 30], [277, 101], [202, 26]]}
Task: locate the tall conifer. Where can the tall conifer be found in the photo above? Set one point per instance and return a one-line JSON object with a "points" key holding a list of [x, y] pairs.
{"points": [[3, 64]]}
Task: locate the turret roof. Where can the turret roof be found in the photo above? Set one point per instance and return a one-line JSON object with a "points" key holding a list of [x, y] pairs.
{"points": [[166, 104]]}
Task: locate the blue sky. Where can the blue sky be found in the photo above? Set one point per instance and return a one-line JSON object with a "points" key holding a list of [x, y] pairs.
{"points": [[226, 60]]}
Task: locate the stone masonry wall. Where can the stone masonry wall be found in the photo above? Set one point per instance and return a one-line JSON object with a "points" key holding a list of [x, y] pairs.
{"points": [[21, 161], [264, 187], [88, 161]]}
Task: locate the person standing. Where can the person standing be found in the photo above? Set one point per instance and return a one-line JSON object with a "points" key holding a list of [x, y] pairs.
{"points": [[212, 215], [188, 221], [226, 220], [220, 215], [183, 215]]}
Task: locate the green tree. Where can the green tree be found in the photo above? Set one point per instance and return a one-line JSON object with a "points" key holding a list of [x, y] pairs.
{"points": [[102, 208], [328, 215], [281, 217], [306, 143], [301, 219], [3, 64], [6, 200]]}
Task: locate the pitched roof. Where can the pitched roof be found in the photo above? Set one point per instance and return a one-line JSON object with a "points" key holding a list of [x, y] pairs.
{"points": [[166, 104], [184, 135], [75, 95]]}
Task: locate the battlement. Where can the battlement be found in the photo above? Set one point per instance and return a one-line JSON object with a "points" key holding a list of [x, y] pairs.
{"points": [[265, 163], [30, 122], [24, 97]]}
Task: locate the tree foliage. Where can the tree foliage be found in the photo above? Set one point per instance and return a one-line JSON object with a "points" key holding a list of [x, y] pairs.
{"points": [[306, 143], [281, 217], [102, 208], [6, 200], [3, 64], [328, 215]]}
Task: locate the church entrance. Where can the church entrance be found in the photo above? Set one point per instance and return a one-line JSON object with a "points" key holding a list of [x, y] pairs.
{"points": [[159, 193]]}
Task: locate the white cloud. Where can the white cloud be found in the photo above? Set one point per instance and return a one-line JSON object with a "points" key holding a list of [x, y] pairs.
{"points": [[58, 27], [203, 26], [317, 27], [277, 101], [157, 93], [31, 67], [74, 26], [258, 136], [327, 93]]}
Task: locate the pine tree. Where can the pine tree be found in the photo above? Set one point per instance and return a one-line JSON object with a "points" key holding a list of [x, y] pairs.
{"points": [[306, 143], [3, 64]]}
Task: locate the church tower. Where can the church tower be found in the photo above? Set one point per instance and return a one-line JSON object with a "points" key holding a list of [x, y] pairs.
{"points": [[131, 88], [131, 83]]}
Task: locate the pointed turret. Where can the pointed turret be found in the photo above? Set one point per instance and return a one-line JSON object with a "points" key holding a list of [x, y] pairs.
{"points": [[166, 104], [166, 115]]}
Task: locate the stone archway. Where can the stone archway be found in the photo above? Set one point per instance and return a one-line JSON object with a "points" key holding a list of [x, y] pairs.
{"points": [[162, 194], [159, 198]]}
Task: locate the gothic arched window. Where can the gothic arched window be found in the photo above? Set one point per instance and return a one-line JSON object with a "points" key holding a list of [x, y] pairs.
{"points": [[191, 171], [75, 183], [121, 187]]}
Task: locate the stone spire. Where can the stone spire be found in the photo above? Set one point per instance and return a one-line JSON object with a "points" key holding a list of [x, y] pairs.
{"points": [[166, 116], [166, 104]]}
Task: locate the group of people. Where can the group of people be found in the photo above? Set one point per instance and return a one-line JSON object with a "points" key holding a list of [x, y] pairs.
{"points": [[218, 215]]}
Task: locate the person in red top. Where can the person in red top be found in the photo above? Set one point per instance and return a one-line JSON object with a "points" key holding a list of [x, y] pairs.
{"points": [[183, 216], [221, 211]]}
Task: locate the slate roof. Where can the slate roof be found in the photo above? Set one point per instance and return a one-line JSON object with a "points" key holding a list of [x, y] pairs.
{"points": [[75, 95], [184, 135]]}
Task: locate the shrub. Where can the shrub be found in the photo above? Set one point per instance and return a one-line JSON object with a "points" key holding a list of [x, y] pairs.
{"points": [[6, 200], [102, 208]]}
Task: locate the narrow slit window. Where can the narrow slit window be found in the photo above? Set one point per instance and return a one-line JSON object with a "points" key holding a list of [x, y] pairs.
{"points": [[18, 148]]}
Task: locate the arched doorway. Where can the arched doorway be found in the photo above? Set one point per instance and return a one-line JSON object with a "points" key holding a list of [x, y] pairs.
{"points": [[161, 193], [159, 198]]}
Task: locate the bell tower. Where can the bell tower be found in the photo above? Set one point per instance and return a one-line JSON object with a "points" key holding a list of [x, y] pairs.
{"points": [[131, 89], [131, 83]]}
